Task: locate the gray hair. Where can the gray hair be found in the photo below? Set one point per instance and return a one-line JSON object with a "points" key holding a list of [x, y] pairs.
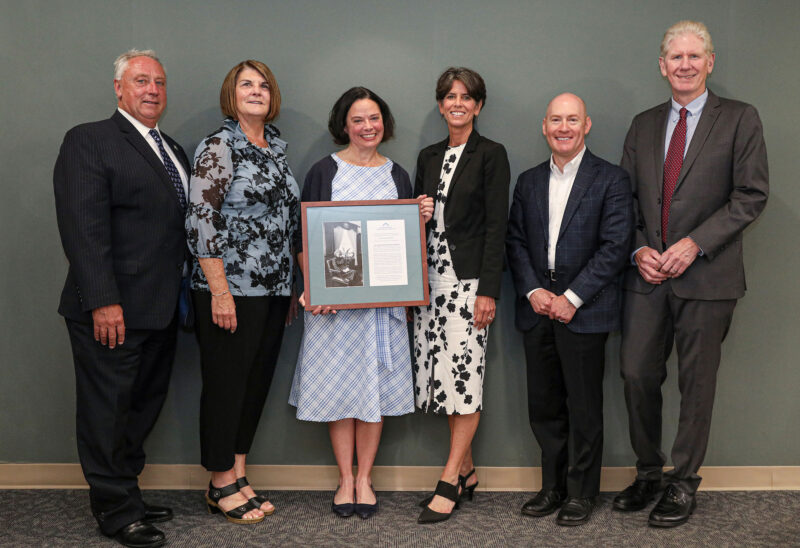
{"points": [[687, 27], [121, 62]]}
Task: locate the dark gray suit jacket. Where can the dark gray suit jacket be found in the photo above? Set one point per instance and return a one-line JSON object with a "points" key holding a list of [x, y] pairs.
{"points": [[121, 224], [477, 207], [722, 188], [592, 247]]}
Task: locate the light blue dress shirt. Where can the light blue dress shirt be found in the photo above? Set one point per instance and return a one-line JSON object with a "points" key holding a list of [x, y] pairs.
{"points": [[695, 109]]}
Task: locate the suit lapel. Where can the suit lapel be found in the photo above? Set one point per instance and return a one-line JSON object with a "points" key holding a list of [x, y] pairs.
{"points": [[541, 193], [434, 169], [583, 180], [179, 154], [704, 125], [660, 128], [137, 141]]}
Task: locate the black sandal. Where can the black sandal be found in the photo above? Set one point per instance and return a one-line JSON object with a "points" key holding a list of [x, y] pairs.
{"points": [[467, 492], [445, 490], [234, 515], [258, 500]]}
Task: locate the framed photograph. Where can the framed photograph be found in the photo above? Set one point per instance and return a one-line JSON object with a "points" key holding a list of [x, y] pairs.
{"points": [[364, 254]]}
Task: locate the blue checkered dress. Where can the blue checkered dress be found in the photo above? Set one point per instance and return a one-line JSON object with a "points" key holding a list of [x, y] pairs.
{"points": [[356, 363]]}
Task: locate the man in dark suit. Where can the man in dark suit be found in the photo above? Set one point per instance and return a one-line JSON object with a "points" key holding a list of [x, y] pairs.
{"points": [[698, 168], [120, 189], [568, 238]]}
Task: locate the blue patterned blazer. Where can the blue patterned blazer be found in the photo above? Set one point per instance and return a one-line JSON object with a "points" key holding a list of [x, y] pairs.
{"points": [[592, 247]]}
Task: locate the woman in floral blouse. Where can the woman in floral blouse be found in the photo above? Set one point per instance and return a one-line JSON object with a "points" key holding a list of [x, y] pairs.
{"points": [[242, 226]]}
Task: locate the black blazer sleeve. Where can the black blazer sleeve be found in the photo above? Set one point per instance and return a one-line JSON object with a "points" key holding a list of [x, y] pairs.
{"points": [[83, 211], [496, 177]]}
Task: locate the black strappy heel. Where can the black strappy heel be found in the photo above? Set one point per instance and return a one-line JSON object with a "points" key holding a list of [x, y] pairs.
{"points": [[468, 492], [445, 490]]}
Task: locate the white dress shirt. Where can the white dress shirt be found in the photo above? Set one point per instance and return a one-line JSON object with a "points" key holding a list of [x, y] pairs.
{"points": [[145, 131], [559, 189]]}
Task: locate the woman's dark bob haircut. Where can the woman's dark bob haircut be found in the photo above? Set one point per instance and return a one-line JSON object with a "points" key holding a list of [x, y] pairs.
{"points": [[338, 117], [471, 80]]}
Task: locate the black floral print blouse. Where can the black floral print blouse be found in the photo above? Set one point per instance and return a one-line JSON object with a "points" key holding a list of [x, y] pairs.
{"points": [[244, 208]]}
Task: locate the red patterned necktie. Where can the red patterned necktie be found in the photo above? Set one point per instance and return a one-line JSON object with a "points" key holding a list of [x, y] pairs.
{"points": [[672, 168]]}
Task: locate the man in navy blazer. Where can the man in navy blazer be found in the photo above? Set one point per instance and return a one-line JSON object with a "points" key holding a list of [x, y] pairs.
{"points": [[120, 189], [568, 239]]}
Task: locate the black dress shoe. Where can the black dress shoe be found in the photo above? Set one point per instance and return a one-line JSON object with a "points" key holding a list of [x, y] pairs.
{"points": [[344, 510], [637, 495], [140, 534], [673, 509], [575, 511], [365, 511], [156, 514], [544, 503]]}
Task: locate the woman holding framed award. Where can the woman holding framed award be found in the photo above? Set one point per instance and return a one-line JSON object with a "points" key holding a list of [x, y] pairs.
{"points": [[354, 365]]}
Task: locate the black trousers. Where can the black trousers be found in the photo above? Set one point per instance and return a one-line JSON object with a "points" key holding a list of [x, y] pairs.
{"points": [[650, 324], [120, 393], [237, 370], [565, 405]]}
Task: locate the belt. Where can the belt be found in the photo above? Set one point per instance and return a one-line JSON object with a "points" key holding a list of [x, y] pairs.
{"points": [[551, 274]]}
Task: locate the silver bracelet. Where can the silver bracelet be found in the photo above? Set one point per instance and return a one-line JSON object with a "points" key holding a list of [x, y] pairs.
{"points": [[220, 294]]}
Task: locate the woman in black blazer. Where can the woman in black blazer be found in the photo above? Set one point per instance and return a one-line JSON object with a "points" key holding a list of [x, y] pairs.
{"points": [[468, 176]]}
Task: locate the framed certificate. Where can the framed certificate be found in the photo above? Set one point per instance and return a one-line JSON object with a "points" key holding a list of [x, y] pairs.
{"points": [[364, 254]]}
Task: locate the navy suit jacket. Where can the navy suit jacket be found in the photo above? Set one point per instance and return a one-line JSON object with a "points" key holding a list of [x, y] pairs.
{"points": [[121, 224], [592, 247]]}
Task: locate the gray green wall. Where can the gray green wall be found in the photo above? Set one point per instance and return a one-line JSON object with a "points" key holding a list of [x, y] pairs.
{"points": [[57, 72]]}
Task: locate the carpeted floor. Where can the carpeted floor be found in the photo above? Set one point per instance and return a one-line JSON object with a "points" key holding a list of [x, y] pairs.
{"points": [[303, 518]]}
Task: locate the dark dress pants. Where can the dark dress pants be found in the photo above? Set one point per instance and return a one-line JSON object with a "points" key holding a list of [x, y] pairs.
{"points": [[565, 405], [237, 370], [120, 393], [651, 323]]}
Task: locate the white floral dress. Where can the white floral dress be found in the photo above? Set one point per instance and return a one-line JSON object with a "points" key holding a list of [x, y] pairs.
{"points": [[449, 353]]}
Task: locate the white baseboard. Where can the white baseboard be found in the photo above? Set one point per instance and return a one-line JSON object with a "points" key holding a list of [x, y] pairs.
{"points": [[386, 478]]}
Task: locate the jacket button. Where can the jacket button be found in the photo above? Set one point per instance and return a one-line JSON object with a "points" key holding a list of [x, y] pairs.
{"points": [[658, 233], [658, 201], [452, 247]]}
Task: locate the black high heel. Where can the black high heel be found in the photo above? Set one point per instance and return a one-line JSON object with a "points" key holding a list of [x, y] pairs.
{"points": [[343, 510], [445, 490], [257, 500], [235, 515], [467, 492], [365, 511], [462, 482]]}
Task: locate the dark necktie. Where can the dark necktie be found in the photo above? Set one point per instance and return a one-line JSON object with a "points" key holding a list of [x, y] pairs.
{"points": [[672, 168], [172, 171]]}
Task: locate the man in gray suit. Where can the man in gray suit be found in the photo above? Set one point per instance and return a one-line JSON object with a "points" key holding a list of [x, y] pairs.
{"points": [[698, 168]]}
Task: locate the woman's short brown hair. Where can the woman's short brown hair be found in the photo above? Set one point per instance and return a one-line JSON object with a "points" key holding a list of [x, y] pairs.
{"points": [[338, 117], [227, 95], [471, 80]]}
